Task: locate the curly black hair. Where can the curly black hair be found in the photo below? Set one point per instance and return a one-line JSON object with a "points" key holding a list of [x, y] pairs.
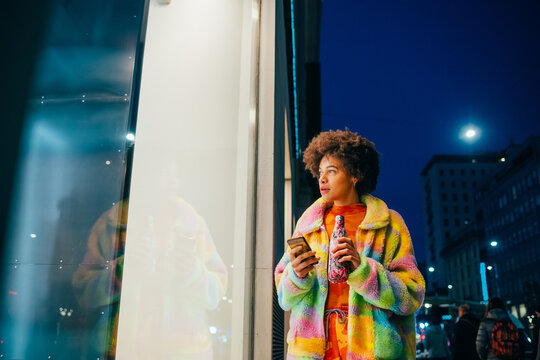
{"points": [[359, 156]]}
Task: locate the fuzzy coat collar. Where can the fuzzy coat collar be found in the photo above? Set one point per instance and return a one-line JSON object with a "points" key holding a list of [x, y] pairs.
{"points": [[377, 215]]}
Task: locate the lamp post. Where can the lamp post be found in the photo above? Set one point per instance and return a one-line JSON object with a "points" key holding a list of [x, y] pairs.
{"points": [[494, 268], [494, 243]]}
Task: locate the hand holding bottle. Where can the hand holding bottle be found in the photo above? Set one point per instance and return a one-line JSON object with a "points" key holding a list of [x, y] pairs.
{"points": [[343, 258], [345, 253]]}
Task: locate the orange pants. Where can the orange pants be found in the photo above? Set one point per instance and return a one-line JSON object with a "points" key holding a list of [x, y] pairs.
{"points": [[336, 333]]}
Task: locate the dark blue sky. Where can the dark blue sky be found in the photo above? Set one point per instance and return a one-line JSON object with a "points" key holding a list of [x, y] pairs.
{"points": [[408, 75]]}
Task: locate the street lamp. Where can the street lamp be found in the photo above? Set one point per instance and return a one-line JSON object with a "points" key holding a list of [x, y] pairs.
{"points": [[431, 269], [493, 243]]}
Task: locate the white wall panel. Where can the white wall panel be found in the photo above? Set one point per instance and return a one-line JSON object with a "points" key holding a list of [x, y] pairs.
{"points": [[187, 266]]}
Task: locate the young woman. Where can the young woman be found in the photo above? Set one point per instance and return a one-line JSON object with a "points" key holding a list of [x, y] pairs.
{"points": [[371, 316]]}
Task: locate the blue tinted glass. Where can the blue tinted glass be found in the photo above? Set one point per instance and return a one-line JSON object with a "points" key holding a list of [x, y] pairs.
{"points": [[65, 239]]}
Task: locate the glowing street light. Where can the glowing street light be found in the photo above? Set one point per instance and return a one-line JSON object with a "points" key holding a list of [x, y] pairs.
{"points": [[493, 243], [450, 286], [431, 269], [490, 267]]}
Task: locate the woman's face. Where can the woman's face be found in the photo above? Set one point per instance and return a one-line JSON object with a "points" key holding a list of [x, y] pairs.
{"points": [[335, 183]]}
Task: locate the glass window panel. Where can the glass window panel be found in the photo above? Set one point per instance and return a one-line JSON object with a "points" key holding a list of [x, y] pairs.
{"points": [[66, 230]]}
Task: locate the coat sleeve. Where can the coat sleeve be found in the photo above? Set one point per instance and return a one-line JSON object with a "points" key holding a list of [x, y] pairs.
{"points": [[446, 348], [98, 279], [427, 340], [400, 287], [458, 351], [481, 341], [291, 288]]}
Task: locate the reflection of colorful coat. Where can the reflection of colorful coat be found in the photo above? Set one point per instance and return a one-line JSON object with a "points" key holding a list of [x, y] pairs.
{"points": [[178, 260], [386, 288], [98, 280]]}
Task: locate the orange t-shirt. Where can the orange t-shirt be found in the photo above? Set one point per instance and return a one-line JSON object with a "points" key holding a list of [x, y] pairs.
{"points": [[338, 294]]}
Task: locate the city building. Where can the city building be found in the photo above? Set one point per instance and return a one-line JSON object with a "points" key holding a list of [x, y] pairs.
{"points": [[508, 210], [449, 183], [462, 255]]}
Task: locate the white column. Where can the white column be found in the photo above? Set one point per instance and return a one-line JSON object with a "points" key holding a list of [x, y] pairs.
{"points": [[186, 281]]}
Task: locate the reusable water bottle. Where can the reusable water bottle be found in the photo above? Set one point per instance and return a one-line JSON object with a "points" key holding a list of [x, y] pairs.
{"points": [[337, 273]]}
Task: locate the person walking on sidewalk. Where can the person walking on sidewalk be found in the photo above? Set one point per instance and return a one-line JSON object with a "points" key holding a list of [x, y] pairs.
{"points": [[498, 337], [465, 331], [436, 341], [536, 333]]}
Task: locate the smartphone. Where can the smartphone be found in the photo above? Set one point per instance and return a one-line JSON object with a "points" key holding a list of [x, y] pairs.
{"points": [[299, 241]]}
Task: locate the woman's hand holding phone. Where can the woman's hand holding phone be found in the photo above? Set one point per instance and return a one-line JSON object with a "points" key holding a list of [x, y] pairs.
{"points": [[303, 263]]}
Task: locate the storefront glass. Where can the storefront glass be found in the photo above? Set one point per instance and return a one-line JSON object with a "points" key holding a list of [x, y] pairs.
{"points": [[63, 252]]}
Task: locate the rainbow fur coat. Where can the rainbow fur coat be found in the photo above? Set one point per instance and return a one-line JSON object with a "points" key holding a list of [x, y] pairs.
{"points": [[385, 290]]}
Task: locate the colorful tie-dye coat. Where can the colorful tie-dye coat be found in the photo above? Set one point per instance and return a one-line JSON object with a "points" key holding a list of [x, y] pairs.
{"points": [[386, 288]]}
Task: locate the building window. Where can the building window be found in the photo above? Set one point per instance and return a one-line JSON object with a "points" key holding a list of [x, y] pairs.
{"points": [[466, 209], [473, 172], [444, 198], [483, 171], [457, 222], [464, 184], [462, 172], [453, 184], [445, 209], [442, 184], [454, 197], [446, 222], [441, 172], [465, 197], [451, 171]]}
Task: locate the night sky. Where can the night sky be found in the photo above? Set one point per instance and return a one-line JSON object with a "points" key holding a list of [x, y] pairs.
{"points": [[409, 75]]}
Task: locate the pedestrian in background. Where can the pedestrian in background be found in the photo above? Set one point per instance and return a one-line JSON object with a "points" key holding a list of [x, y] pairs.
{"points": [[498, 337], [535, 333], [435, 339], [465, 331]]}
